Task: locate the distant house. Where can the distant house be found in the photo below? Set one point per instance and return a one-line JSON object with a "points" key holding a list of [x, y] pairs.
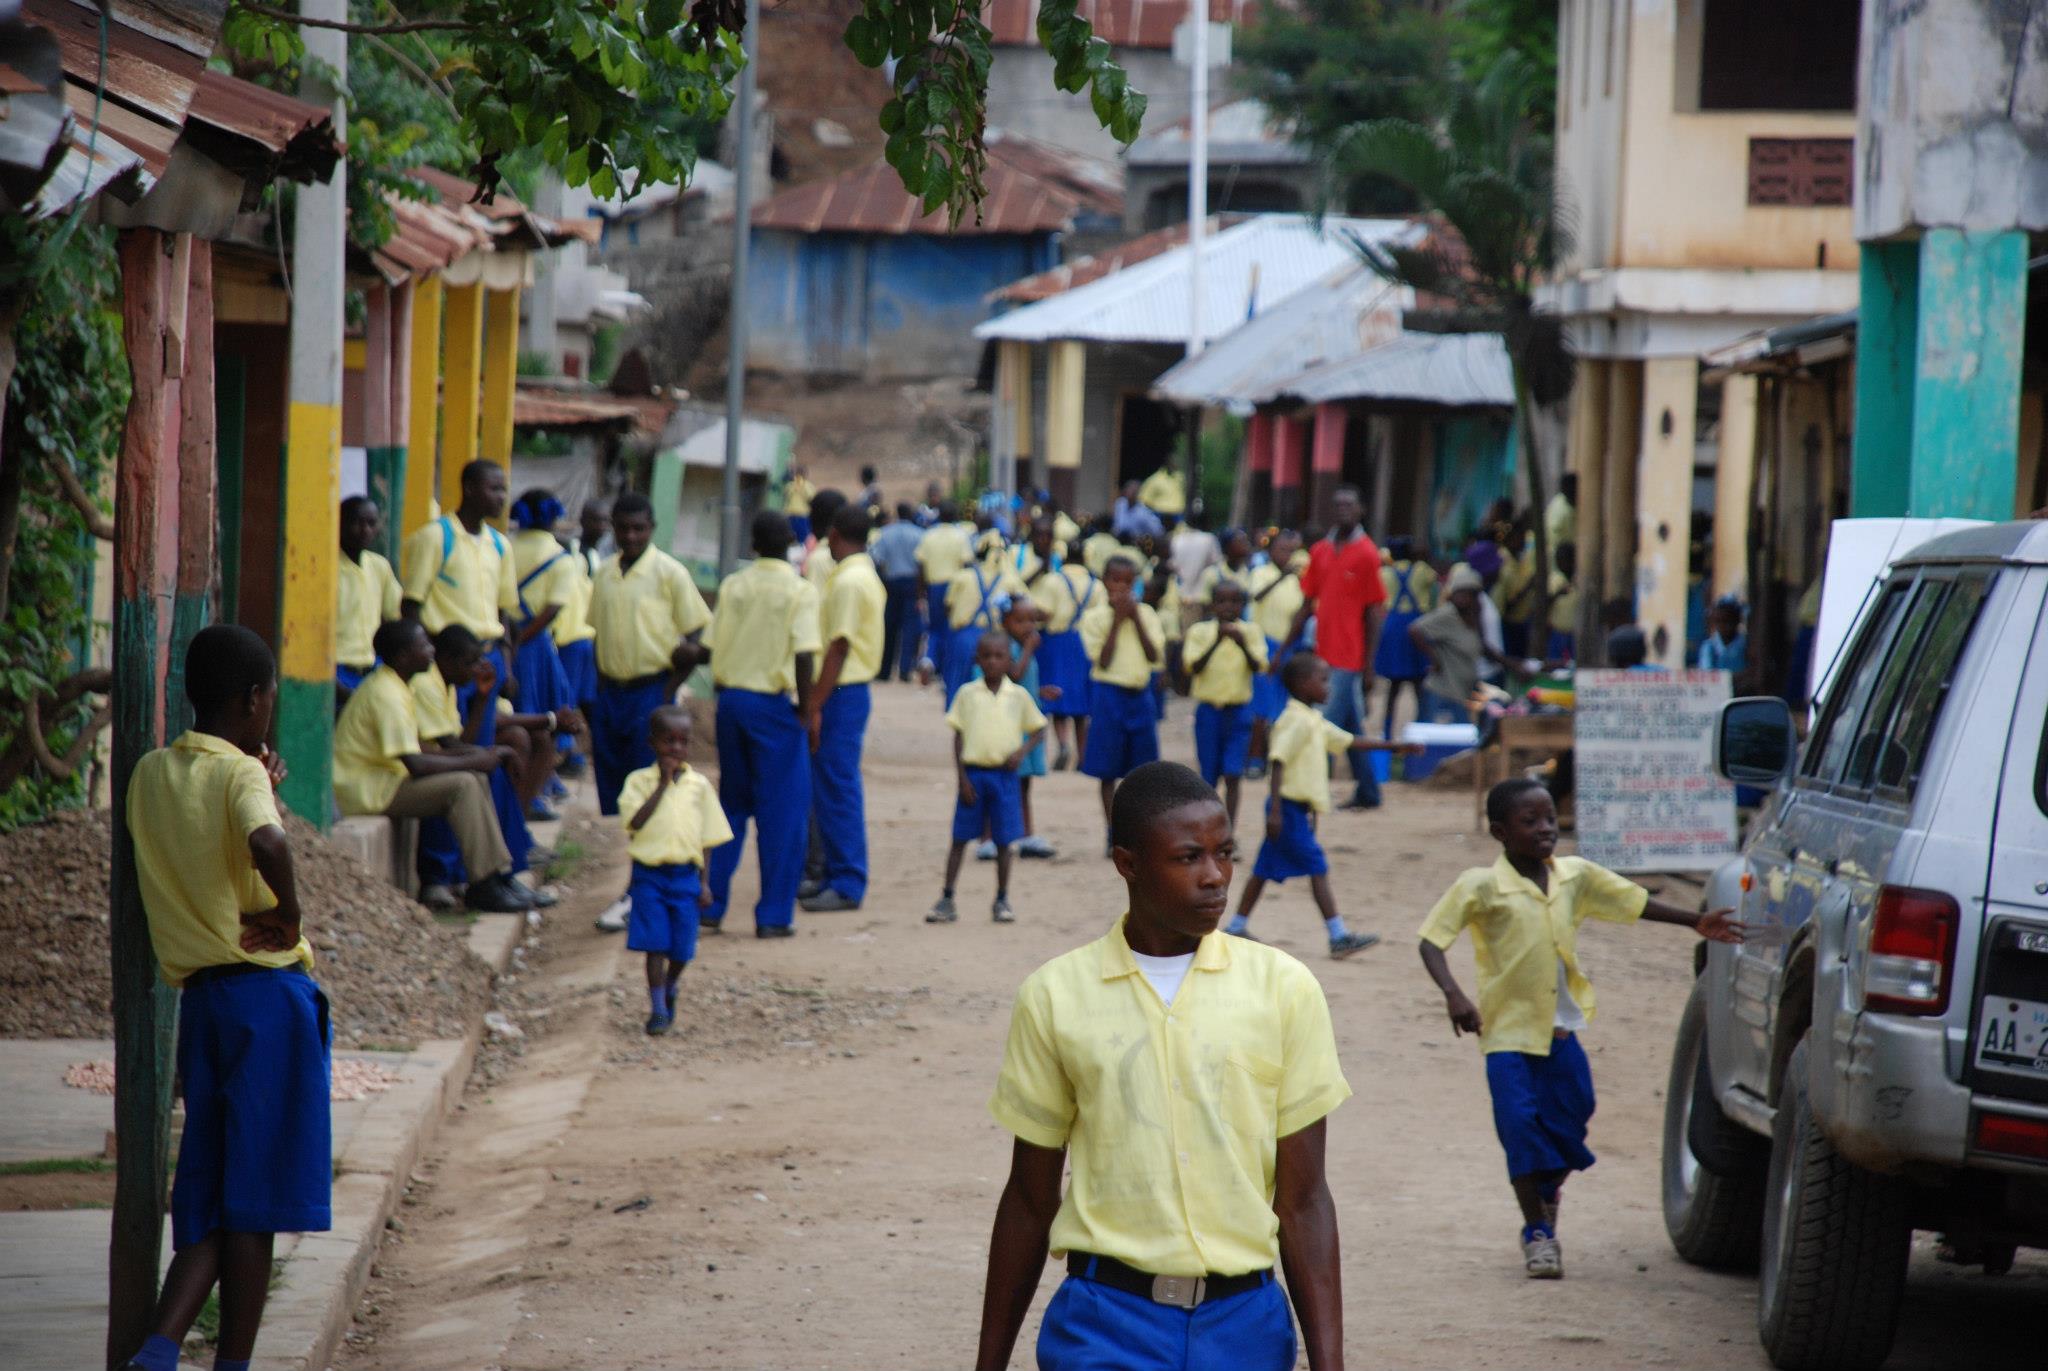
{"points": [[850, 277], [1254, 168]]}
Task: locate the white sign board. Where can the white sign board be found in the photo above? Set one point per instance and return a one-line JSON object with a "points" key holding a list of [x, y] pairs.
{"points": [[1860, 552], [1647, 795]]}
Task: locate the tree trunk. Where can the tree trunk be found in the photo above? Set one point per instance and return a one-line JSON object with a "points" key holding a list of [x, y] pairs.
{"points": [[13, 459], [1532, 464]]}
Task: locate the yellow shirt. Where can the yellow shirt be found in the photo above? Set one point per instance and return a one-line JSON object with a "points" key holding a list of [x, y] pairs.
{"points": [[469, 586], [192, 807], [1560, 521], [1064, 529], [573, 625], [532, 550], [687, 823], [1099, 548], [853, 606], [941, 553], [1520, 934], [1080, 590], [1274, 612], [434, 711], [642, 612], [366, 595], [1171, 1118], [1215, 574], [378, 725], [1129, 666], [992, 724], [767, 614], [971, 596], [1421, 586], [1054, 596], [818, 566], [1303, 740], [796, 496], [1564, 604], [1170, 612], [1164, 492], [1227, 680]]}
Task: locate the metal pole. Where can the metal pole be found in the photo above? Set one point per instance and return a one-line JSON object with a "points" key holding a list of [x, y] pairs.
{"points": [[736, 313], [1198, 215]]}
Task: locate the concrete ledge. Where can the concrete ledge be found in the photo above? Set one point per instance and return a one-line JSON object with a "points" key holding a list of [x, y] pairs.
{"points": [[388, 847]]}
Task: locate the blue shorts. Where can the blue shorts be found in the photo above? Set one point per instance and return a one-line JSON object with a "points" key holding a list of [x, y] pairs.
{"points": [[258, 1149], [800, 528], [1123, 730], [1541, 1106], [1094, 1327], [998, 807], [664, 917], [1223, 736], [349, 677], [1269, 697], [579, 666], [1295, 852]]}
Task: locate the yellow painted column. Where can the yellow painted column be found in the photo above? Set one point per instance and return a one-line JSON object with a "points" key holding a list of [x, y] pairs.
{"points": [[423, 405], [501, 374], [1734, 482], [1013, 369], [1065, 376], [461, 386], [1664, 504]]}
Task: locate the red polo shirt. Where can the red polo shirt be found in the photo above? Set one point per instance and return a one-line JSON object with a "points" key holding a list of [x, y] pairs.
{"points": [[1343, 581]]}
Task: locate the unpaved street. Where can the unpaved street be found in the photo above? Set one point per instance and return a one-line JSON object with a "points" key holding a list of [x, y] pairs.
{"points": [[804, 1174]]}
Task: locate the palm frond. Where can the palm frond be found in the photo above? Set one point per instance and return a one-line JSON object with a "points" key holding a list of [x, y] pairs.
{"points": [[1398, 149]]}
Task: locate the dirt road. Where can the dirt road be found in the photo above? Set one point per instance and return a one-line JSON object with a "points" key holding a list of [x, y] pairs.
{"points": [[803, 1176]]}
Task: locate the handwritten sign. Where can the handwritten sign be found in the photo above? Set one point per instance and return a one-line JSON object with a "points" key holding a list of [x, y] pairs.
{"points": [[1647, 795]]}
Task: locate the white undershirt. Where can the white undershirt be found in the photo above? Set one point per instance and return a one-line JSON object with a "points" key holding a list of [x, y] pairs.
{"points": [[1570, 1017], [1165, 973]]}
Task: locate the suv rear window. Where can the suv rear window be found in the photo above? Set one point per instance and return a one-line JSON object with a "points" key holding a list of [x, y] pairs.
{"points": [[1831, 742]]}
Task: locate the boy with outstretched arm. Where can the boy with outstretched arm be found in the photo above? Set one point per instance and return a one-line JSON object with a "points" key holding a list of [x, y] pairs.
{"points": [[1184, 1077], [1524, 912], [219, 892], [1298, 790], [995, 725], [1126, 646], [1223, 657], [673, 819]]}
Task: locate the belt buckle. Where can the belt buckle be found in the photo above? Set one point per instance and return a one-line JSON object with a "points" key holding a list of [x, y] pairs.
{"points": [[1183, 1292]]}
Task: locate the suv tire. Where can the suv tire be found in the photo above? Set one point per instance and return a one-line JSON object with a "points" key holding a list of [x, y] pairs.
{"points": [[1835, 1244], [1713, 1197]]}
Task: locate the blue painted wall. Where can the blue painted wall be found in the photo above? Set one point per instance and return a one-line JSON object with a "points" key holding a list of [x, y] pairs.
{"points": [[1475, 465], [879, 305]]}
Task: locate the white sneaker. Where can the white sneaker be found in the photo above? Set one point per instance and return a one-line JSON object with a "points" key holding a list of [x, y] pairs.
{"points": [[613, 919], [1035, 846], [1543, 1259], [985, 853]]}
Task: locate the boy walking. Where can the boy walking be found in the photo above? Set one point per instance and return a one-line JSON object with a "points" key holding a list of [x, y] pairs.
{"points": [[1524, 912], [673, 820], [1185, 1077], [855, 604], [1223, 656], [218, 890], [1125, 646], [995, 725]]}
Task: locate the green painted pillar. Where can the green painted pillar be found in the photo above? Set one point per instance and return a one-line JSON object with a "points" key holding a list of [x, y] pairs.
{"points": [[1887, 346], [386, 470], [1966, 399]]}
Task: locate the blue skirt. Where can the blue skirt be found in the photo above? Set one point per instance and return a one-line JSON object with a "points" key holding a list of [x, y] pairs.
{"points": [[1397, 658], [1295, 852], [1269, 697], [543, 685], [1063, 662], [1541, 1106], [579, 665]]}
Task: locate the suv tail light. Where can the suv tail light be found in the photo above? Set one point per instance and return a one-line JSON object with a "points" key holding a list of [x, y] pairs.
{"points": [[1912, 952], [2013, 1137]]}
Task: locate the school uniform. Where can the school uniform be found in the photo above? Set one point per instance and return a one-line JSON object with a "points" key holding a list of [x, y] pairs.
{"points": [[1564, 616], [366, 596], [1031, 681], [253, 1027], [441, 711], [1275, 599], [1123, 719], [854, 608], [546, 578], [974, 603], [1411, 590], [941, 553], [1223, 695], [668, 856], [1172, 627], [1065, 594], [796, 504], [1534, 997], [767, 615], [1216, 574], [992, 725], [640, 613], [576, 646], [1099, 548], [1302, 741], [1169, 1096]]}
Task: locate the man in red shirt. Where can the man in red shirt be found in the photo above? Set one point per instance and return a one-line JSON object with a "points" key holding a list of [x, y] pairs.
{"points": [[1342, 589]]}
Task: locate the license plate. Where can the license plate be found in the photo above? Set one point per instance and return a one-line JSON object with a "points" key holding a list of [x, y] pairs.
{"points": [[2012, 1035]]}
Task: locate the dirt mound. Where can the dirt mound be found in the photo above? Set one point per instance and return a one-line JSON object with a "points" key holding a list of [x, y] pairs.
{"points": [[392, 974]]}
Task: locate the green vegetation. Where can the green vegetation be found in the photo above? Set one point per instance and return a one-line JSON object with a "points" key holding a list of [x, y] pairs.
{"points": [[58, 1166], [569, 857]]}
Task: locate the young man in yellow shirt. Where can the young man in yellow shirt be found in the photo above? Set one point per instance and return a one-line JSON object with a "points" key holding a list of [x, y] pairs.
{"points": [[672, 819], [764, 648], [1184, 1078], [1125, 646], [220, 894], [1524, 912], [1223, 656], [855, 603], [366, 593]]}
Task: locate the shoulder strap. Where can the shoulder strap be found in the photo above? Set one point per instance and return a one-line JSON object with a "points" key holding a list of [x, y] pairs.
{"points": [[527, 580], [447, 523]]}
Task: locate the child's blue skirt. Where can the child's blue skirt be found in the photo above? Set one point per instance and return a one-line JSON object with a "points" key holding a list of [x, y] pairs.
{"points": [[1397, 658], [543, 685], [1063, 662], [579, 667], [1541, 1106], [1295, 852], [1269, 697], [961, 667]]}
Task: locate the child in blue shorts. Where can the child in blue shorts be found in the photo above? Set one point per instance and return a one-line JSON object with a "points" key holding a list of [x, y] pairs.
{"points": [[1524, 912], [1126, 646], [1224, 656], [215, 870], [1298, 770], [674, 818], [995, 725]]}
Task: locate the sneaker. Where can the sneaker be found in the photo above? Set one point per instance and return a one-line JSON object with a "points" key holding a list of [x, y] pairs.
{"points": [[828, 901], [775, 931], [1343, 947], [808, 889], [438, 898], [555, 789], [1034, 846], [1543, 1258], [658, 1025], [540, 858], [571, 766], [1063, 759], [1001, 912], [613, 917], [1255, 769], [499, 894], [943, 912], [540, 812], [709, 927], [985, 853], [542, 897]]}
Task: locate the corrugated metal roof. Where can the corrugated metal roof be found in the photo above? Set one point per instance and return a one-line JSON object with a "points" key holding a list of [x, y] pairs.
{"points": [[536, 406], [259, 133], [1246, 269], [1122, 23], [1032, 188], [1347, 311], [1453, 369], [1097, 265]]}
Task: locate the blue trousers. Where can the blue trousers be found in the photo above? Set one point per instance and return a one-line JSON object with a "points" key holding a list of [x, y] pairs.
{"points": [[619, 744], [837, 803], [937, 627], [1346, 709], [764, 774], [1092, 1327], [902, 626]]}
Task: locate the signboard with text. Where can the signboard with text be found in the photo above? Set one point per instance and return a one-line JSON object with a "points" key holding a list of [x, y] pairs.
{"points": [[1647, 795]]}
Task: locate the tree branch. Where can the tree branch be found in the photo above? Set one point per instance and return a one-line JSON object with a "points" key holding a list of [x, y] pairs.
{"points": [[61, 768], [406, 26], [100, 525], [28, 743]]}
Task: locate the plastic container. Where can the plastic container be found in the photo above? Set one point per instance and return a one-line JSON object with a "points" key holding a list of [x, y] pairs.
{"points": [[1440, 742]]}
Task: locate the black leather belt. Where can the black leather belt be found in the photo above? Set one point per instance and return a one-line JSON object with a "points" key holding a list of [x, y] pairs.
{"points": [[636, 683], [1182, 1292], [227, 969]]}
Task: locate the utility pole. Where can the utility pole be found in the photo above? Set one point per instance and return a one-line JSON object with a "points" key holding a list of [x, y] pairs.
{"points": [[736, 312], [1198, 215]]}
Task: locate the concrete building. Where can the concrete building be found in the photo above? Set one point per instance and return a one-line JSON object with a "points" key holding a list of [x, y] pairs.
{"points": [[1704, 148], [1254, 168]]}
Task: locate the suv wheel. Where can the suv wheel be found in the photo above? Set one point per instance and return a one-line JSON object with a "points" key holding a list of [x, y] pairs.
{"points": [[1836, 1239], [1713, 1168]]}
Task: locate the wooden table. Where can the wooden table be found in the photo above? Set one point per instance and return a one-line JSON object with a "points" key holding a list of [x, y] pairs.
{"points": [[1547, 734]]}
